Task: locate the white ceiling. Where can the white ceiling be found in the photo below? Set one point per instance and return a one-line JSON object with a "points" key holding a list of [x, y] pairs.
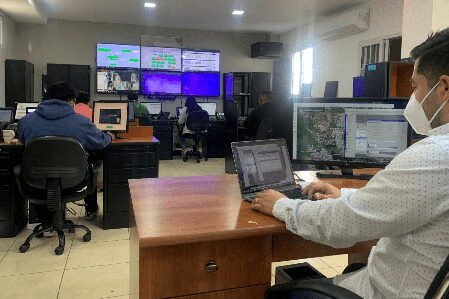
{"points": [[23, 11], [273, 16]]}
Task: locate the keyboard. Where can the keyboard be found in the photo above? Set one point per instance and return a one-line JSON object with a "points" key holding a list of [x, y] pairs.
{"points": [[294, 193]]}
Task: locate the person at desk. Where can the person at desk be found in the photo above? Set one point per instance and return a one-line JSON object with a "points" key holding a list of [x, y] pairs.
{"points": [[82, 105], [190, 106], [264, 110], [57, 117], [406, 205], [139, 109]]}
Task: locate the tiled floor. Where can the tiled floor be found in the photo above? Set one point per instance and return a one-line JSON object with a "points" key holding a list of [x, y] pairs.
{"points": [[100, 268]]}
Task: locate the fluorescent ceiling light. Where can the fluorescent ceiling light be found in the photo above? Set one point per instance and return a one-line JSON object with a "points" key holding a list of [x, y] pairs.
{"points": [[149, 4], [238, 12]]}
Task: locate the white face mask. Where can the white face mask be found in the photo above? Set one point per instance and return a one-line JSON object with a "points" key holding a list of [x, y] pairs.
{"points": [[415, 115]]}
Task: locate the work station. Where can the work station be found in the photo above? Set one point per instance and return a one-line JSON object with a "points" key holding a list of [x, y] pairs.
{"points": [[224, 149]]}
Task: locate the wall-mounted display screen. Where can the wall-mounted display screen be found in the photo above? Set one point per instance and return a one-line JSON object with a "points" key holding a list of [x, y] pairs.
{"points": [[201, 84], [161, 83], [114, 56], [165, 59], [200, 61], [118, 81]]}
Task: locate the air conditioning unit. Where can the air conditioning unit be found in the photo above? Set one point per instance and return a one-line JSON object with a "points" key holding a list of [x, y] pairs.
{"points": [[343, 25]]}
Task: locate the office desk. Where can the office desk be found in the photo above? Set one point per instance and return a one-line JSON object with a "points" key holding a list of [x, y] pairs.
{"points": [[179, 225], [123, 159]]}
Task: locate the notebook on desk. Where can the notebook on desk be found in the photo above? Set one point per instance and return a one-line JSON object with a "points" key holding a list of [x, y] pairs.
{"points": [[262, 165]]}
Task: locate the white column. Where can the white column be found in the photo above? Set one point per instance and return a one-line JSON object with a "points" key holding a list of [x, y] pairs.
{"points": [[440, 15]]}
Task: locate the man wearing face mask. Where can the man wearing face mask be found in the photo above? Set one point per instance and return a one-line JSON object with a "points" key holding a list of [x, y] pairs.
{"points": [[406, 205]]}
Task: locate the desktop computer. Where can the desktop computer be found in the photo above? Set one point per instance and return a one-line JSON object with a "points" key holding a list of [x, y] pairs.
{"points": [[111, 116], [21, 109], [210, 108], [349, 133], [153, 108], [5, 115]]}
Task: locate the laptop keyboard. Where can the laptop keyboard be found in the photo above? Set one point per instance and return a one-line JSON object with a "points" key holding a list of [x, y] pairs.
{"points": [[294, 193]]}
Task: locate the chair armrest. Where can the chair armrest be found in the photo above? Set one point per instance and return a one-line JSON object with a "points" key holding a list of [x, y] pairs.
{"points": [[327, 289]]}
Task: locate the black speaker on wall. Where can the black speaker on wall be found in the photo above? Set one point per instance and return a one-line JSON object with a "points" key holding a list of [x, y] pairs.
{"points": [[19, 82], [77, 76]]}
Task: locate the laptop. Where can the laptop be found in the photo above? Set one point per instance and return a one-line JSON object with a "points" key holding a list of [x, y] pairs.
{"points": [[262, 165]]}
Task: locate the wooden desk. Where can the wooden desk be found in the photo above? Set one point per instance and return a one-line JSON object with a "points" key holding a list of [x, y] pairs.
{"points": [[178, 225], [123, 159]]}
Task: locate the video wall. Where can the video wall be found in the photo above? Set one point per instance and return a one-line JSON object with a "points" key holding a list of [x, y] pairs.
{"points": [[157, 71]]}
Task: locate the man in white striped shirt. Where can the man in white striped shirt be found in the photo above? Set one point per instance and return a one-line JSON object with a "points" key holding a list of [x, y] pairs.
{"points": [[406, 205]]}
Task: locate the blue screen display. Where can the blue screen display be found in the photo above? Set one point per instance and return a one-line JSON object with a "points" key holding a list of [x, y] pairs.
{"points": [[161, 83], [201, 84]]}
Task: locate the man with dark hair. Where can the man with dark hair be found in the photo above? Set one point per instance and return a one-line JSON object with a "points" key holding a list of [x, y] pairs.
{"points": [[406, 205], [83, 105], [56, 117], [264, 110]]}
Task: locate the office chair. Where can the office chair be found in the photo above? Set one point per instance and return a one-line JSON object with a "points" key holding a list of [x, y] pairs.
{"points": [[198, 122], [53, 173], [265, 129]]}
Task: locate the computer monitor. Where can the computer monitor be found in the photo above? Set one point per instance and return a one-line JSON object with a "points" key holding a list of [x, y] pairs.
{"points": [[153, 108], [113, 56], [178, 111], [118, 81], [159, 58], [210, 108], [349, 133], [201, 84], [200, 61], [5, 115], [161, 83], [30, 110], [21, 109], [111, 116], [131, 114]]}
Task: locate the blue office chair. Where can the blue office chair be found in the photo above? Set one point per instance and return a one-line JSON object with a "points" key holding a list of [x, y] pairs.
{"points": [[53, 174], [197, 122]]}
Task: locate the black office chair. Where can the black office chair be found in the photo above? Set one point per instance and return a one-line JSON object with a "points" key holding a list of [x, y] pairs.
{"points": [[265, 129], [197, 122], [53, 173]]}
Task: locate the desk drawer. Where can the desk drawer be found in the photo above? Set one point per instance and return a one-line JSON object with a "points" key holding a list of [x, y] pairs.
{"points": [[124, 174], [170, 270], [131, 158]]}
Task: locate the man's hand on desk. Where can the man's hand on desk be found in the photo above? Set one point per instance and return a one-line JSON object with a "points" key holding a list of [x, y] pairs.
{"points": [[321, 190], [265, 201]]}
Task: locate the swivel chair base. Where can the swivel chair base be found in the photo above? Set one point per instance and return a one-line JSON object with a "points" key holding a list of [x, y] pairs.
{"points": [[38, 232]]}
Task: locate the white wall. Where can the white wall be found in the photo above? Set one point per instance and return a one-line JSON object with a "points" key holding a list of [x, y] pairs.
{"points": [[338, 60], [75, 43], [417, 24], [7, 51]]}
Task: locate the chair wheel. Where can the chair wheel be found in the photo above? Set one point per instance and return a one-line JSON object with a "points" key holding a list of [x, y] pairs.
{"points": [[206, 158], [71, 230], [24, 248], [185, 158], [59, 250], [87, 237], [197, 160]]}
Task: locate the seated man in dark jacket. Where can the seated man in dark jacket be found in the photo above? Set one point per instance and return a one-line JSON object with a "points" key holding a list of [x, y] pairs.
{"points": [[256, 116], [57, 117]]}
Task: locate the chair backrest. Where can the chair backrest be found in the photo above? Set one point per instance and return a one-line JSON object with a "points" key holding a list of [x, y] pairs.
{"points": [[265, 129], [198, 121], [52, 157]]}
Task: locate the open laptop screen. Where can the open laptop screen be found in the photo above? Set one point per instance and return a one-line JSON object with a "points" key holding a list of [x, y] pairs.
{"points": [[263, 163]]}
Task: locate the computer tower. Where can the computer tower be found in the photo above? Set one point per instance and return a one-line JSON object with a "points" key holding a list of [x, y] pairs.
{"points": [[376, 80], [19, 82], [77, 76]]}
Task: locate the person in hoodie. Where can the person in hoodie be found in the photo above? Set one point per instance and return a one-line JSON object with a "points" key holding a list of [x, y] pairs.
{"points": [[56, 116]]}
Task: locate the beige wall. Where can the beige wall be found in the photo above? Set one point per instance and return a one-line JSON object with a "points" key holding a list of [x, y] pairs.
{"points": [[338, 60], [7, 51], [75, 43], [417, 24]]}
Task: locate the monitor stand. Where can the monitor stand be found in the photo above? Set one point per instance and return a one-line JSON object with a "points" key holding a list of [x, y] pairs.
{"points": [[346, 173]]}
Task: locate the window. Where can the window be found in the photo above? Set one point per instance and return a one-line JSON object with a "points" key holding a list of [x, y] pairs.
{"points": [[379, 50], [302, 69]]}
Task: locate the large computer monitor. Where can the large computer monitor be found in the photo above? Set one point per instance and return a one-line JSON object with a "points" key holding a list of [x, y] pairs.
{"points": [[349, 133], [5, 115], [111, 116], [21, 109], [161, 83], [159, 58], [153, 108], [210, 108], [118, 81], [114, 56], [201, 84]]}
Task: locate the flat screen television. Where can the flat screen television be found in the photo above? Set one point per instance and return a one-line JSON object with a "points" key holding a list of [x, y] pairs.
{"points": [[118, 56], [162, 59], [201, 84], [118, 81], [161, 83], [200, 61]]}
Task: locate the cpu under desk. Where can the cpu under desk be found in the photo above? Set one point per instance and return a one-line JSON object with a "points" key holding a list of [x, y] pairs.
{"points": [[179, 225], [123, 159]]}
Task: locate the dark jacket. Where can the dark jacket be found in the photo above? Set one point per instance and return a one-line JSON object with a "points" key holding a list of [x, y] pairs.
{"points": [[256, 116], [57, 118]]}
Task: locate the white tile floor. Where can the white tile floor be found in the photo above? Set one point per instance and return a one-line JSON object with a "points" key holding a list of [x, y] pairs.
{"points": [[100, 268]]}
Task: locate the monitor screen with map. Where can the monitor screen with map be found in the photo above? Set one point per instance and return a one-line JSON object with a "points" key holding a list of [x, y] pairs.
{"points": [[350, 133]]}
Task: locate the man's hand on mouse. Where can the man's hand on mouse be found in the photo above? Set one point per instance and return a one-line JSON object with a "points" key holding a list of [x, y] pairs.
{"points": [[321, 190], [265, 201]]}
